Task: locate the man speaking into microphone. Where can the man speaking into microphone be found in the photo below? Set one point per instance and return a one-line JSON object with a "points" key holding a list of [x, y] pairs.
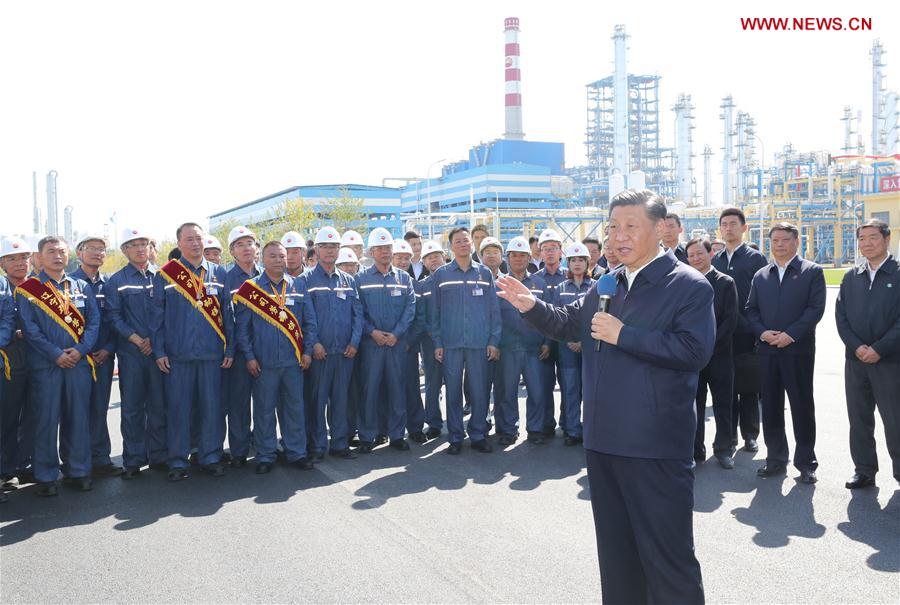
{"points": [[639, 416]]}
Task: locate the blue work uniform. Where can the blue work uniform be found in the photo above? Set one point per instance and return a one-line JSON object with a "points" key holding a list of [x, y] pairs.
{"points": [[236, 380], [339, 314], [570, 363], [10, 411], [17, 416], [61, 397], [129, 305], [465, 321], [195, 351], [102, 387], [552, 366], [389, 305], [279, 385], [415, 410], [434, 372], [520, 349]]}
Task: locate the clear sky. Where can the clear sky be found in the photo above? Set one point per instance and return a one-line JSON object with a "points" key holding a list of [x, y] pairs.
{"points": [[170, 111]]}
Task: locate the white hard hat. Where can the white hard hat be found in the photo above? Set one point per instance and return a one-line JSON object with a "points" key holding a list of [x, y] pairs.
{"points": [[90, 237], [351, 238], [210, 242], [130, 234], [379, 236], [14, 245], [490, 241], [346, 255], [430, 247], [327, 235], [518, 244], [293, 239], [239, 232], [576, 249], [549, 235], [401, 246]]}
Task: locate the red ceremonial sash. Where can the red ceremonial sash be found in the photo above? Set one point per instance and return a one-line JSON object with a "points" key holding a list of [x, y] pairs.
{"points": [[186, 284], [70, 319], [270, 309]]}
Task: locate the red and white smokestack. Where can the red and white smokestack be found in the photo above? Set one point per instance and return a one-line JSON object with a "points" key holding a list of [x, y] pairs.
{"points": [[513, 81]]}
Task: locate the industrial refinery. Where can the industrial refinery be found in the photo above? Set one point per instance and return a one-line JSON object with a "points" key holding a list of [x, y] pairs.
{"points": [[515, 185]]}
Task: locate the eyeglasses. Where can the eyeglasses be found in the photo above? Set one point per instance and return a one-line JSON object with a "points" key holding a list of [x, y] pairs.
{"points": [[94, 249]]}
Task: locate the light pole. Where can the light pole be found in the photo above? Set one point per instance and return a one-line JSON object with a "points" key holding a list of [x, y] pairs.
{"points": [[428, 195], [761, 170]]}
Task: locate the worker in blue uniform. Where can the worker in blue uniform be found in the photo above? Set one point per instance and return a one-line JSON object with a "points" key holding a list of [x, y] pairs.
{"points": [[639, 416], [129, 304], [415, 410], [491, 256], [339, 317], [389, 303], [61, 369], [16, 417], [237, 382], [465, 326], [522, 351], [91, 251], [432, 258], [350, 263], [553, 274], [7, 333], [577, 284], [192, 348], [274, 359]]}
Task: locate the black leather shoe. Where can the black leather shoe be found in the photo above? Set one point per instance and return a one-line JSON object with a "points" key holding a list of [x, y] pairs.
{"points": [[83, 484], [506, 439], [177, 474], [807, 476], [859, 481], [770, 470], [400, 444], [482, 446], [10, 484], [159, 466], [572, 440], [107, 470], [47, 490], [303, 464], [549, 431], [750, 445], [381, 439], [227, 458], [467, 409], [194, 459], [346, 454], [365, 447], [26, 477], [454, 449], [263, 467], [216, 469], [725, 461], [131, 472], [536, 438], [354, 442], [419, 437], [317, 457], [238, 461], [433, 433]]}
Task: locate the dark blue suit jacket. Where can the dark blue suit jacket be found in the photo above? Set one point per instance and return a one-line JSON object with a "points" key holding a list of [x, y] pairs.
{"points": [[745, 262], [794, 305], [639, 394]]}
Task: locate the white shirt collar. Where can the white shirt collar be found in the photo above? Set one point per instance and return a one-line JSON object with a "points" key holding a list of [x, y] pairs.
{"points": [[630, 275]]}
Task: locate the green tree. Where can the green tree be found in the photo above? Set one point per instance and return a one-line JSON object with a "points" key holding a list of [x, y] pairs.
{"points": [[344, 212]]}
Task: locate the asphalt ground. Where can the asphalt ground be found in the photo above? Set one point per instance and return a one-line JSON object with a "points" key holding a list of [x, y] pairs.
{"points": [[513, 526]]}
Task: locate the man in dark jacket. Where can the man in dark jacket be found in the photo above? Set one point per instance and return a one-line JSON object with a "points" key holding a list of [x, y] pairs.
{"points": [[671, 237], [787, 300], [868, 320], [639, 418], [741, 262], [719, 372]]}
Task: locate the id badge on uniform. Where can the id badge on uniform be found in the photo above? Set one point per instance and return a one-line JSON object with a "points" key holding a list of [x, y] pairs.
{"points": [[477, 291], [341, 294], [79, 303], [289, 301], [212, 291], [396, 292]]}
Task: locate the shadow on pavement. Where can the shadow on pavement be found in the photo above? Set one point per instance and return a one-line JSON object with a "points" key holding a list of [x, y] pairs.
{"points": [[777, 517], [879, 528]]}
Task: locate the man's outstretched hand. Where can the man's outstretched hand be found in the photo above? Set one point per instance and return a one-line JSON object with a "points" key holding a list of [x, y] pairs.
{"points": [[515, 293]]}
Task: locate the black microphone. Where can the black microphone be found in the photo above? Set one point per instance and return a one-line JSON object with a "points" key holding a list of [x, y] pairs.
{"points": [[606, 288]]}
